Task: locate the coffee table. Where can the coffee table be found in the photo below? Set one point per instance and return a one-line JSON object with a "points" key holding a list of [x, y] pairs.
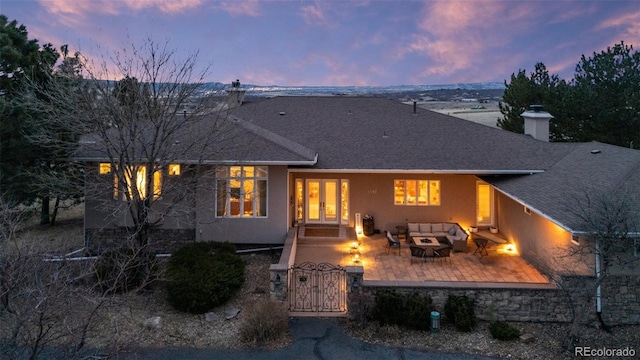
{"points": [[426, 241]]}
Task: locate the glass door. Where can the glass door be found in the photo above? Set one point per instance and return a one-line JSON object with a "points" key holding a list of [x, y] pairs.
{"points": [[322, 201]]}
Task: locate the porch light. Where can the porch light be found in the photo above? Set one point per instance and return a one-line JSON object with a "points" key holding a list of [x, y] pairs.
{"points": [[359, 231], [356, 257]]}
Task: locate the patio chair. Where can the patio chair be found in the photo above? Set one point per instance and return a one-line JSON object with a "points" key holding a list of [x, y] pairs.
{"points": [[417, 252], [392, 242], [443, 253]]}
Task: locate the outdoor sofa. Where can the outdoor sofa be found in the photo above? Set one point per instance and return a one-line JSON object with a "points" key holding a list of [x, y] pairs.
{"points": [[454, 234]]}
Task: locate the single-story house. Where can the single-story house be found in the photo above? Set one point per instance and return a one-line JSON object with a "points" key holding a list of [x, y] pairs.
{"points": [[333, 159]]}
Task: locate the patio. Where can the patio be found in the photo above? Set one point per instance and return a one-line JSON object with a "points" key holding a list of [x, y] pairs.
{"points": [[383, 265]]}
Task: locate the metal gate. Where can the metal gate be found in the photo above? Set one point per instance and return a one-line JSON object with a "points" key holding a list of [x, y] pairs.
{"points": [[319, 288]]}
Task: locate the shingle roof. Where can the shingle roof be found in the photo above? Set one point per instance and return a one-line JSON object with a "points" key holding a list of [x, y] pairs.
{"points": [[209, 139], [588, 167], [368, 133]]}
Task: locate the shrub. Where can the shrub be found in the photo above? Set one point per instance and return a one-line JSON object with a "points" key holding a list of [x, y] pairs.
{"points": [[122, 270], [388, 308], [503, 331], [360, 308], [460, 311], [418, 312], [203, 275], [264, 320]]}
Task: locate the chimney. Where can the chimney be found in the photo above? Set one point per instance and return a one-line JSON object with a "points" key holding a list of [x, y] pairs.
{"points": [[536, 122], [236, 95]]}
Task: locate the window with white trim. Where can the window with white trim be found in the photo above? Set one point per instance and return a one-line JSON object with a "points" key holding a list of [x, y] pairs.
{"points": [[416, 192], [241, 191]]}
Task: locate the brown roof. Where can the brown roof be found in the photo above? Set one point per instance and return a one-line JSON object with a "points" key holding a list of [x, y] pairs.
{"points": [[368, 133], [588, 168]]}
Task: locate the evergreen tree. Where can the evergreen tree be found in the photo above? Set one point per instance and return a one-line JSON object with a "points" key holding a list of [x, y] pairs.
{"points": [[21, 58], [601, 103]]}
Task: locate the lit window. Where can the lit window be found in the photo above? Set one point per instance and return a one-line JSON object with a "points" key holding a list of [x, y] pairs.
{"points": [[241, 191], [174, 169], [416, 192], [105, 168], [135, 182]]}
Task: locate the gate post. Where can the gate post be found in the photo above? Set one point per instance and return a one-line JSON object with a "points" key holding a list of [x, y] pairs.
{"points": [[355, 275], [279, 282]]}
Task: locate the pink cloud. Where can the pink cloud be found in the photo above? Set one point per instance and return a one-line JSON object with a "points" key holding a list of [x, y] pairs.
{"points": [[83, 7], [240, 8], [313, 14], [628, 24], [454, 35]]}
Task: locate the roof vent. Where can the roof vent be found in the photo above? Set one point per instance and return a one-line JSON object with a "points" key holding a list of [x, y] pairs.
{"points": [[282, 113], [596, 151]]}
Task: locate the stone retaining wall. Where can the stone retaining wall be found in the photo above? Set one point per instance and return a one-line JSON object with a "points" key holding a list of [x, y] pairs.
{"points": [[527, 302], [621, 299], [536, 305]]}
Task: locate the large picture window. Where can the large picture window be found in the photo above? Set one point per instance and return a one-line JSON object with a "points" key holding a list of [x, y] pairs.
{"points": [[416, 192], [241, 191]]}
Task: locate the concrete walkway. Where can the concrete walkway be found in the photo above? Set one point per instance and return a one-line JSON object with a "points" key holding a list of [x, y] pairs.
{"points": [[313, 338]]}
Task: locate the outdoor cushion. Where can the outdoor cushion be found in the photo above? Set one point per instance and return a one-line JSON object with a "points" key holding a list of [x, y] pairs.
{"points": [[414, 227], [425, 227], [436, 228]]}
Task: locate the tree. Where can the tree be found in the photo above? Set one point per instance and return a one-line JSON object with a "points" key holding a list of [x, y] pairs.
{"points": [[158, 120], [21, 58], [608, 95], [610, 221], [601, 103], [539, 88], [55, 177]]}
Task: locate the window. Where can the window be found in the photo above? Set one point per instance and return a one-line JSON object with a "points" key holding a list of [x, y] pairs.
{"points": [[416, 192], [105, 168], [241, 191], [135, 179], [174, 169], [484, 203]]}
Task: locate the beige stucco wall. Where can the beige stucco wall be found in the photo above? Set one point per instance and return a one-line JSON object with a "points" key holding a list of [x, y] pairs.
{"points": [[102, 211], [271, 229], [373, 194], [539, 240]]}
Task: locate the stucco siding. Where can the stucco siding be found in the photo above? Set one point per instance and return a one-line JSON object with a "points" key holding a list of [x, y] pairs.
{"points": [[373, 194], [539, 240], [271, 229]]}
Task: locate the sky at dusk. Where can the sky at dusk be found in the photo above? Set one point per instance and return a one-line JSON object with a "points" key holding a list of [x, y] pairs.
{"points": [[348, 43]]}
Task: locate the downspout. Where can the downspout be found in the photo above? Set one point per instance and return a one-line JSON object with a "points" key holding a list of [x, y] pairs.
{"points": [[598, 290]]}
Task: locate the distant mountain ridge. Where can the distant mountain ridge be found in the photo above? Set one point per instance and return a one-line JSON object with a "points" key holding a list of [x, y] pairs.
{"points": [[276, 90]]}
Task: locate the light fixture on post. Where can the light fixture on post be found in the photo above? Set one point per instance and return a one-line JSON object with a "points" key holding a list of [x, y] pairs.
{"points": [[435, 322], [277, 282], [354, 283], [356, 257]]}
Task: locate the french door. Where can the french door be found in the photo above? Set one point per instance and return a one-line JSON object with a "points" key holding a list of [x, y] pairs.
{"points": [[322, 206]]}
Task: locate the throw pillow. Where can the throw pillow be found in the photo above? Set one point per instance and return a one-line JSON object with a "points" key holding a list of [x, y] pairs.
{"points": [[452, 231]]}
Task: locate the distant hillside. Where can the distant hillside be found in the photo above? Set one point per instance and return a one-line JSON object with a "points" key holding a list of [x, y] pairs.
{"points": [[391, 91]]}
